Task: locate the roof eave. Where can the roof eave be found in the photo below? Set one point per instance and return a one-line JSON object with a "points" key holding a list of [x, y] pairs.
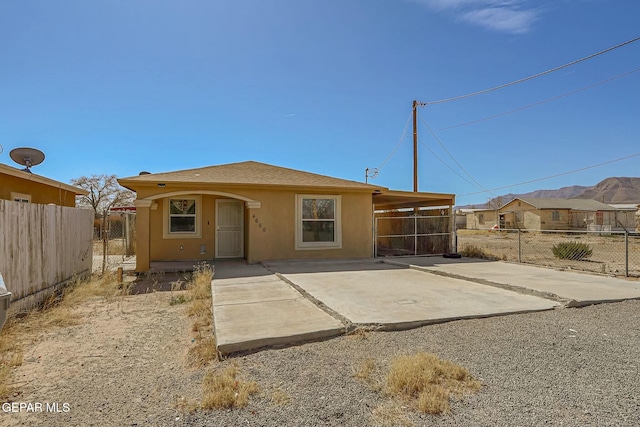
{"points": [[42, 180], [129, 183]]}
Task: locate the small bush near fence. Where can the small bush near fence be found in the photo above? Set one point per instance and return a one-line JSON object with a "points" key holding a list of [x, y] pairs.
{"points": [[572, 250]]}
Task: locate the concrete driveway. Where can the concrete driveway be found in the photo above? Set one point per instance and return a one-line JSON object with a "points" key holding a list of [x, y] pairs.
{"points": [[373, 293], [573, 289], [253, 308], [283, 303]]}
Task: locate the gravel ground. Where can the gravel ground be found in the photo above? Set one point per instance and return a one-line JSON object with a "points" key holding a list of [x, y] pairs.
{"points": [[125, 366], [536, 371]]}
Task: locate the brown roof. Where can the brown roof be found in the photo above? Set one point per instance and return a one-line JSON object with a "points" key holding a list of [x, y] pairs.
{"points": [[574, 204], [247, 173]]}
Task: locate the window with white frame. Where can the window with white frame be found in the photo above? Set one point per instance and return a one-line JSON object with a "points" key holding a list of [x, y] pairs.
{"points": [[20, 197], [318, 222], [182, 217]]}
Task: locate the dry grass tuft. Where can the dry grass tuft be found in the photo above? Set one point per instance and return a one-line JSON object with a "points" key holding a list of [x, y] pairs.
{"points": [[390, 414], [472, 251], [11, 354], [365, 370], [198, 294], [429, 381], [203, 350], [5, 381], [368, 372], [359, 332], [186, 405], [199, 308], [280, 397], [200, 284], [106, 287], [223, 389]]}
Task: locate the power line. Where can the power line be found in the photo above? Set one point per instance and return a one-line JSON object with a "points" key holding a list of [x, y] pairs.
{"points": [[554, 176], [446, 164], [469, 95], [535, 104], [453, 158], [402, 137]]}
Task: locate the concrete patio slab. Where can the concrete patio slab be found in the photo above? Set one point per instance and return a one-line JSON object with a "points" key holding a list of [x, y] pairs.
{"points": [[390, 297], [572, 288], [253, 308]]}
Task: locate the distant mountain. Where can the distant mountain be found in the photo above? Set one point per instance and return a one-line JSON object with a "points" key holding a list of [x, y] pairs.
{"points": [[614, 190], [609, 190]]}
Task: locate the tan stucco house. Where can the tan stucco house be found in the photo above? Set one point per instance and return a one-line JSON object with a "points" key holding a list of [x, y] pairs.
{"points": [[258, 212], [555, 214], [481, 219], [22, 186]]}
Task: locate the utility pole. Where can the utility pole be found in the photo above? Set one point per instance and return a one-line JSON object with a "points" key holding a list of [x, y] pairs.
{"points": [[416, 104]]}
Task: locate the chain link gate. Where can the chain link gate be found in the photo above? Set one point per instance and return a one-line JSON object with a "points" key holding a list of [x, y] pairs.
{"points": [[114, 239], [398, 233]]}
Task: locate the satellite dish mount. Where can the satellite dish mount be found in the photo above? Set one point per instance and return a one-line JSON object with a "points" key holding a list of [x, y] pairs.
{"points": [[27, 157]]}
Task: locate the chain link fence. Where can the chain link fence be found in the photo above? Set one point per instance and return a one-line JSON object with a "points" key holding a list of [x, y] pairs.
{"points": [[114, 240], [607, 252], [397, 234]]}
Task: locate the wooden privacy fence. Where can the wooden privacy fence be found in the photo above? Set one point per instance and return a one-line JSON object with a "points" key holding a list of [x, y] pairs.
{"points": [[42, 247]]}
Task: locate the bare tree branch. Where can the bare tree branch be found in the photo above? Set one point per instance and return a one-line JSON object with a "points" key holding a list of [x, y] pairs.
{"points": [[104, 193]]}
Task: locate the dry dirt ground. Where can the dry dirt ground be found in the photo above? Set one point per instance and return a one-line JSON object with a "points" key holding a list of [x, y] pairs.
{"points": [[608, 250], [123, 365]]}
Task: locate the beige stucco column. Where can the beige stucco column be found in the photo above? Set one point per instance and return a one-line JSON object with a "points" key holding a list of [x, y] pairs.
{"points": [[143, 261], [249, 248]]}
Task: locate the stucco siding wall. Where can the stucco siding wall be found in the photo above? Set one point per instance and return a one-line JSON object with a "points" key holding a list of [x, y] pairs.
{"points": [[547, 222], [277, 215], [489, 219], [40, 193], [531, 220], [269, 230], [175, 249]]}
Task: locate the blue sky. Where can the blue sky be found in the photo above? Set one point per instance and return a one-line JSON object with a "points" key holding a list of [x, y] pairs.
{"points": [[325, 86]]}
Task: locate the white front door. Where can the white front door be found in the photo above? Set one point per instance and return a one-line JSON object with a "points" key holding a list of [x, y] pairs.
{"points": [[229, 228]]}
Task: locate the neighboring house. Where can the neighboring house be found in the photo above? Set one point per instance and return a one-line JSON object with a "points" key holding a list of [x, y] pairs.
{"points": [[259, 212], [21, 186], [481, 219], [461, 218], [555, 214], [626, 215]]}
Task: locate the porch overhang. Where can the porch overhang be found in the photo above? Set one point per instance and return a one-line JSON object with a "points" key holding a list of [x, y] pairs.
{"points": [[392, 199]]}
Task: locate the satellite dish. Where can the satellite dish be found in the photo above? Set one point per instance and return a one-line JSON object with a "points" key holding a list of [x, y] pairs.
{"points": [[144, 173], [27, 157]]}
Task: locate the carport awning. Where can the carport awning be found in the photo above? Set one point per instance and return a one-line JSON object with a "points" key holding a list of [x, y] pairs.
{"points": [[390, 199]]}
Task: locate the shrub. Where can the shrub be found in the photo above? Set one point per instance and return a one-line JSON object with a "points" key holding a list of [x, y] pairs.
{"points": [[572, 250], [472, 251]]}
